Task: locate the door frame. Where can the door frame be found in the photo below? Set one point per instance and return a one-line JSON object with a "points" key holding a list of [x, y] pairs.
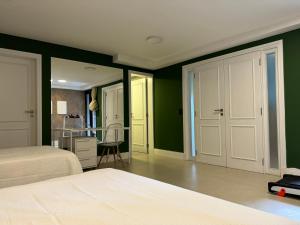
{"points": [[151, 118], [38, 72], [278, 46]]}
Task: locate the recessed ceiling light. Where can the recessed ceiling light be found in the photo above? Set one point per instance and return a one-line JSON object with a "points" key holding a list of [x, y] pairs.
{"points": [[61, 81], [90, 68], [154, 39]]}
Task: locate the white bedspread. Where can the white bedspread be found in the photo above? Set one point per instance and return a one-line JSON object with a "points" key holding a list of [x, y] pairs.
{"points": [[31, 164], [112, 197]]}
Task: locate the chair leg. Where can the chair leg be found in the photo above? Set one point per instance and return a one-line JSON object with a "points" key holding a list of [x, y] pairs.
{"points": [[102, 155], [114, 153], [119, 154], [107, 156]]}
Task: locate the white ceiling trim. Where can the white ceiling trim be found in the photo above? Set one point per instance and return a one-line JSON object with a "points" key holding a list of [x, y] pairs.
{"points": [[211, 48]]}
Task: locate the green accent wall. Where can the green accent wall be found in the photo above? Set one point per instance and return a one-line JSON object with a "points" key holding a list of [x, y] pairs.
{"points": [[48, 50], [168, 97]]}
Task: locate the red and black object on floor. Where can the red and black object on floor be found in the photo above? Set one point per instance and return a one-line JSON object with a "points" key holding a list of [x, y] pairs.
{"points": [[289, 185]]}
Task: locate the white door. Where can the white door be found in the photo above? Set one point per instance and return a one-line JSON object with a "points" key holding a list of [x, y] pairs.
{"points": [[209, 119], [119, 111], [243, 81], [138, 115], [18, 122], [228, 104], [113, 110], [109, 106]]}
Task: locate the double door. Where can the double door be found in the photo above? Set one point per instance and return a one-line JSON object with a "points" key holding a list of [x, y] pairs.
{"points": [[228, 112]]}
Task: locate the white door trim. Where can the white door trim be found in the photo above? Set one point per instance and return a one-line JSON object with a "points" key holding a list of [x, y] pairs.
{"points": [[278, 45], [38, 61], [130, 72]]}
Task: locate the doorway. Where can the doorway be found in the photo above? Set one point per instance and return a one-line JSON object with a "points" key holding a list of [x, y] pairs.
{"points": [[141, 112], [20, 99], [238, 105]]}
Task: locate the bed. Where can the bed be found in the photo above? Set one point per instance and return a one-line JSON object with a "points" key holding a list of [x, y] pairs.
{"points": [[113, 197], [31, 164]]}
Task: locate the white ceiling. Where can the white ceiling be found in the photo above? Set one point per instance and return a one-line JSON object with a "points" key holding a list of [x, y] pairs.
{"points": [[79, 76], [189, 28]]}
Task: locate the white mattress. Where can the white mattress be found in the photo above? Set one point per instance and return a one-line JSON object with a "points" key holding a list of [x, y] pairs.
{"points": [[31, 164], [112, 197]]}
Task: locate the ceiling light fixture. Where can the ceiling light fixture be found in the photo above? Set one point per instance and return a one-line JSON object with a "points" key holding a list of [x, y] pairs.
{"points": [[154, 39], [61, 81]]}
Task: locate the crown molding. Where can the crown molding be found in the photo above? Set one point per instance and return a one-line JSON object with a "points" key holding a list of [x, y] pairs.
{"points": [[244, 38]]}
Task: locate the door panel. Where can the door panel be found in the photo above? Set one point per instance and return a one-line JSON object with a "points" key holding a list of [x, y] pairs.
{"points": [[210, 129], [241, 80], [243, 96], [139, 111], [18, 102]]}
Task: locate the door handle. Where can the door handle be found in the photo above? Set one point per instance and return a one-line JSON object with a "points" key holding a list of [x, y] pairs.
{"points": [[29, 111], [218, 110], [221, 111]]}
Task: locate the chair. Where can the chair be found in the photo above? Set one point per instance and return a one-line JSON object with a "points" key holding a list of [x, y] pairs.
{"points": [[113, 137]]}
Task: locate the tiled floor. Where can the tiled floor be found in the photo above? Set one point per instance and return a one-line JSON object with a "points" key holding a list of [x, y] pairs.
{"points": [[238, 186]]}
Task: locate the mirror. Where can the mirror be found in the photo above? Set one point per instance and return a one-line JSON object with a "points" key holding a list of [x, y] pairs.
{"points": [[85, 96]]}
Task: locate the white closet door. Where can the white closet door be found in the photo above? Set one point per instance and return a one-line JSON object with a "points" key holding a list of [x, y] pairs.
{"points": [[109, 107], [139, 119], [209, 119], [18, 102], [109, 111], [243, 112], [119, 111], [114, 110]]}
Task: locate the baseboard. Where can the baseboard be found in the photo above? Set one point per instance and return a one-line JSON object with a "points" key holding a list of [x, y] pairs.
{"points": [[124, 155], [171, 154], [292, 171]]}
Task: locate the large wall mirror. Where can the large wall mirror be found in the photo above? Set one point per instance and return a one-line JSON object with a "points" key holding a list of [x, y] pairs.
{"points": [[88, 99]]}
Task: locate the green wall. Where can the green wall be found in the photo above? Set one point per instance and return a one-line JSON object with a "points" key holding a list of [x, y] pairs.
{"points": [[168, 97], [48, 50]]}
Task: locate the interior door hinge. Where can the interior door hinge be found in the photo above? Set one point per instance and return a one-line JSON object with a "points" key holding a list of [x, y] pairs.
{"points": [[195, 113], [194, 75], [261, 110], [263, 161], [196, 152], [260, 61]]}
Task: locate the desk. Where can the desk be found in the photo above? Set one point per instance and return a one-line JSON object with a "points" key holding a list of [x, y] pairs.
{"points": [[84, 147]]}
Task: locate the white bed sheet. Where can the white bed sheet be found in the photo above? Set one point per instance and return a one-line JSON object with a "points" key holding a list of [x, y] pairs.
{"points": [[31, 164], [113, 197]]}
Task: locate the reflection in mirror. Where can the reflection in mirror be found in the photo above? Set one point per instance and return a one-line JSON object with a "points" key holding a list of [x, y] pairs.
{"points": [[85, 96]]}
